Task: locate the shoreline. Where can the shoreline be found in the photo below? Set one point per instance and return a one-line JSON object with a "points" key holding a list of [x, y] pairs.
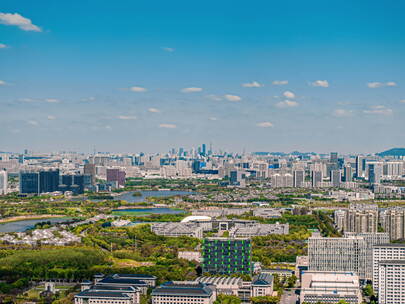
{"points": [[29, 217]]}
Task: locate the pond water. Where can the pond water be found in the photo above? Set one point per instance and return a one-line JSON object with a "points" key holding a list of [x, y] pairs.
{"points": [[128, 196], [21, 226], [136, 211]]}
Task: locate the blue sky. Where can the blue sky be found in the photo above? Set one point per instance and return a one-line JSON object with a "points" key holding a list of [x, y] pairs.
{"points": [[130, 76]]}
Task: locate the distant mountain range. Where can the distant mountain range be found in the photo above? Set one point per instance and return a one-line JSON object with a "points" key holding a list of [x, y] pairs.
{"points": [[393, 152]]}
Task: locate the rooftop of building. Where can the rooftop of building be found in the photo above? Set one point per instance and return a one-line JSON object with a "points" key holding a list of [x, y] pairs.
{"points": [[118, 280], [392, 262], [222, 280], [102, 294], [277, 270], [263, 279], [226, 239], [329, 279], [183, 288], [391, 245], [135, 276], [114, 288]]}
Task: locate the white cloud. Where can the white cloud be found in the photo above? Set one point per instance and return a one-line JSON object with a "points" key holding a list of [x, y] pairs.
{"points": [[91, 98], [52, 100], [2, 83], [213, 118], [2, 46], [48, 100], [320, 83], [168, 126], [191, 90], [168, 49], [108, 127], [17, 20], [232, 97], [287, 104], [289, 94], [26, 99], [33, 122], [376, 84], [280, 82], [214, 97], [253, 84], [51, 117], [154, 110], [379, 110], [265, 124], [342, 113], [125, 117], [137, 89]]}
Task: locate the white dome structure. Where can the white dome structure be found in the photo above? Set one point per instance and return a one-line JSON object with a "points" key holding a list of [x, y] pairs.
{"points": [[193, 218]]}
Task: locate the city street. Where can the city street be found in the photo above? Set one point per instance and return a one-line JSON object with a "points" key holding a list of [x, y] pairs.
{"points": [[289, 297]]}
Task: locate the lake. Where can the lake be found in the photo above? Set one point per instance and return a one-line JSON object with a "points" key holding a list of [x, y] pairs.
{"points": [[146, 211], [138, 199], [21, 226]]}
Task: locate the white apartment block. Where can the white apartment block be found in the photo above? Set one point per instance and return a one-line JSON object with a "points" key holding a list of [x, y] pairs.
{"points": [[358, 218], [3, 182], [330, 287], [394, 223], [383, 253], [391, 281]]}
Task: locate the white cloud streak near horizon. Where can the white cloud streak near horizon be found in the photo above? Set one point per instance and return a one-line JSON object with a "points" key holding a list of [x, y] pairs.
{"points": [[265, 124], [167, 126], [376, 84]]}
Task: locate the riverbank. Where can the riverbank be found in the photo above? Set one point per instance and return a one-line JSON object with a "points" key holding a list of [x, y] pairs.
{"points": [[28, 217]]}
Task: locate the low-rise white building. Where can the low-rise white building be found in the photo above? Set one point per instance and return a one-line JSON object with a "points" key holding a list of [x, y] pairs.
{"points": [[330, 287], [96, 297], [175, 229], [259, 230], [189, 255]]}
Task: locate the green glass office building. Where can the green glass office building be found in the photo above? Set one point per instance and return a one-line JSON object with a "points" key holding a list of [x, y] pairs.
{"points": [[227, 256]]}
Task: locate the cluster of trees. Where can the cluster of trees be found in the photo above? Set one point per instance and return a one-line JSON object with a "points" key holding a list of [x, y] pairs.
{"points": [[139, 244], [265, 300], [9, 287], [47, 205], [71, 263], [326, 225], [276, 248], [229, 299]]}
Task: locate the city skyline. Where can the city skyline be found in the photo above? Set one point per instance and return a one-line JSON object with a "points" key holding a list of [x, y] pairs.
{"points": [[137, 77]]}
